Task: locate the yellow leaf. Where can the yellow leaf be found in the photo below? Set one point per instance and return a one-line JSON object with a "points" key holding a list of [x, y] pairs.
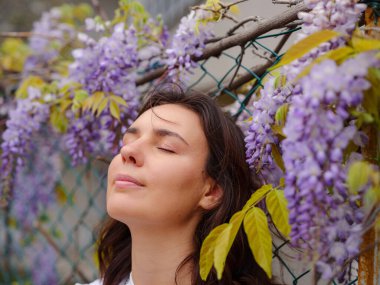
{"points": [[58, 119], [259, 238], [118, 100], [235, 9], [207, 251], [305, 45], [281, 114], [358, 175], [362, 44], [30, 81], [277, 208], [336, 55], [114, 109], [222, 247], [278, 130], [98, 97], [102, 106], [61, 194], [257, 196]]}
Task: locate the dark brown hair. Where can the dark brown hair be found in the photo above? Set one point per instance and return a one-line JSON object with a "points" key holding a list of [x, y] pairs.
{"points": [[226, 164]]}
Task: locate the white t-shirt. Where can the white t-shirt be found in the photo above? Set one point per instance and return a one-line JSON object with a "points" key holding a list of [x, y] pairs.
{"points": [[128, 281]]}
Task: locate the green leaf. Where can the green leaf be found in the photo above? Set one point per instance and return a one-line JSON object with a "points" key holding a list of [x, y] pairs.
{"points": [[305, 45], [358, 176], [258, 196], [115, 111], [277, 157], [371, 100], [281, 114], [80, 96], [277, 208], [259, 238], [222, 248], [371, 197], [207, 251], [58, 120]]}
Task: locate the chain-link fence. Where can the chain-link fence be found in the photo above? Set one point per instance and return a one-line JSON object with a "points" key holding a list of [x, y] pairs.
{"points": [[69, 230]]}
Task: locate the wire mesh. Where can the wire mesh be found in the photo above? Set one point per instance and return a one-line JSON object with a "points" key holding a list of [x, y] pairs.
{"points": [[70, 227]]}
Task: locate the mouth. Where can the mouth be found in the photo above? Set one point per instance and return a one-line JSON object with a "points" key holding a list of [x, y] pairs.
{"points": [[125, 181]]}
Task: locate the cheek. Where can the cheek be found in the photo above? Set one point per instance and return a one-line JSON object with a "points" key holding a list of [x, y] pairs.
{"points": [[112, 170]]}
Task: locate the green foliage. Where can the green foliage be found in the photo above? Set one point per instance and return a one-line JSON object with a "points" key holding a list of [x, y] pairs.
{"points": [[13, 53], [218, 243], [30, 81], [75, 14], [132, 12], [306, 45], [371, 100]]}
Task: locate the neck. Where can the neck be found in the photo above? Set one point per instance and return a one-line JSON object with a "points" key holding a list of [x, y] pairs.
{"points": [[156, 255]]}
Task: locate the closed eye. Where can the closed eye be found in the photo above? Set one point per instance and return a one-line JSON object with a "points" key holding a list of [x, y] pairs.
{"points": [[166, 150]]}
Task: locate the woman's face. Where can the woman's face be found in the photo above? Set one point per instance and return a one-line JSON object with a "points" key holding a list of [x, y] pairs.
{"points": [[159, 177]]}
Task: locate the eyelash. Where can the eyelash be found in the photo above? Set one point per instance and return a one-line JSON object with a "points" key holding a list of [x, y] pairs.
{"points": [[166, 150]]}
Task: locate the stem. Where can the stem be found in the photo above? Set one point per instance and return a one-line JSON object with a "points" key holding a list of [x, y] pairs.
{"points": [[215, 48], [24, 35], [99, 9]]}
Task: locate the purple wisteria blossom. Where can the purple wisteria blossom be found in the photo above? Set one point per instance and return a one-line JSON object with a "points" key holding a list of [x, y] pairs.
{"points": [[43, 259], [260, 136], [108, 64], [24, 120], [34, 185], [49, 35], [88, 135], [339, 15], [325, 219], [188, 43], [320, 17]]}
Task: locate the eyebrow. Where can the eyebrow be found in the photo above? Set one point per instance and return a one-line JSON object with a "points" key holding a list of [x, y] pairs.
{"points": [[160, 133]]}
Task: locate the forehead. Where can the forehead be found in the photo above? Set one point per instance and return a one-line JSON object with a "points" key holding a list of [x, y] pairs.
{"points": [[174, 117]]}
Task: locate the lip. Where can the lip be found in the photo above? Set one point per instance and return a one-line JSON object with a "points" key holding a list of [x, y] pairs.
{"points": [[125, 181]]}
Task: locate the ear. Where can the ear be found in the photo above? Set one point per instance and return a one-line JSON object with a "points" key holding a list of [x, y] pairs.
{"points": [[211, 196]]}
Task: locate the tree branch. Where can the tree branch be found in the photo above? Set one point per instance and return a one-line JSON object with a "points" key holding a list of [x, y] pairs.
{"points": [[24, 35], [288, 2], [214, 49], [99, 10]]}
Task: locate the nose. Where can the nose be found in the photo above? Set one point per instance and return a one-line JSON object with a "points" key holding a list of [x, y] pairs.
{"points": [[131, 153]]}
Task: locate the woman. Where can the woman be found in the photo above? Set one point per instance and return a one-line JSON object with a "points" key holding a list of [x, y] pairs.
{"points": [[180, 173]]}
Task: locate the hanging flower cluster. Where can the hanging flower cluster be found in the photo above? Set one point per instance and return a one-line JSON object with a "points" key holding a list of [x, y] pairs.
{"points": [[313, 121]]}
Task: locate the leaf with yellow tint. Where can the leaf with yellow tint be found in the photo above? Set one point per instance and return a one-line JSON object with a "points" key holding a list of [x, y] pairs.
{"points": [[207, 251], [222, 249], [305, 45], [257, 196], [259, 238], [277, 208]]}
